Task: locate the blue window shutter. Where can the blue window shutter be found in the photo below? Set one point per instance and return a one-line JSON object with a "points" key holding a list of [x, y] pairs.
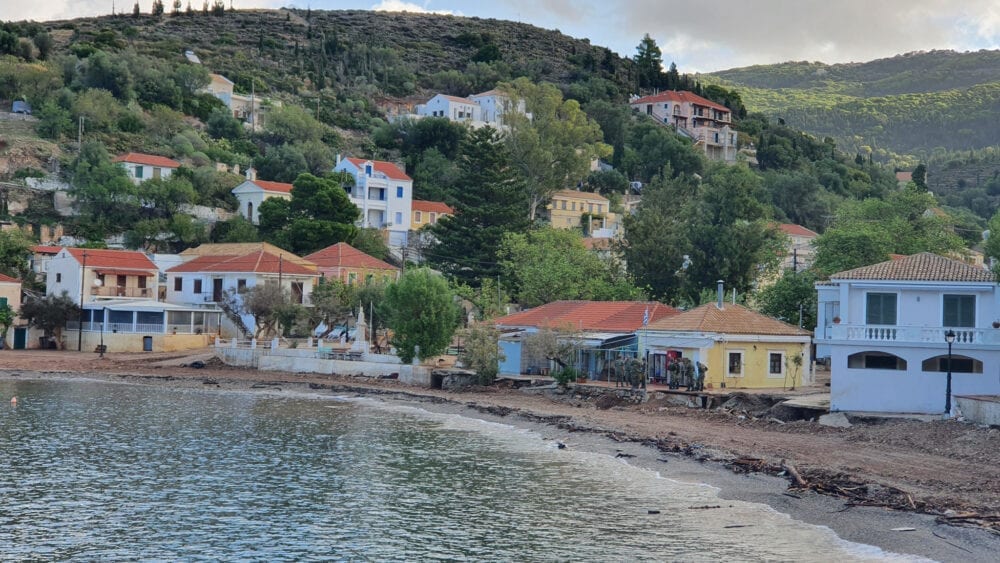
{"points": [[399, 191]]}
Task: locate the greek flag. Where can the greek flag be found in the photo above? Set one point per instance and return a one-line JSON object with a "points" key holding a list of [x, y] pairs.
{"points": [[645, 317]]}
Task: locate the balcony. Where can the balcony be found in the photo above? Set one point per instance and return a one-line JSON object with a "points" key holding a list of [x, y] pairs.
{"points": [[912, 334], [128, 292]]}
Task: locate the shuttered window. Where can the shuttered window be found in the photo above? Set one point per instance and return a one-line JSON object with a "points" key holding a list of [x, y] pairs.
{"points": [[960, 310], [881, 309]]}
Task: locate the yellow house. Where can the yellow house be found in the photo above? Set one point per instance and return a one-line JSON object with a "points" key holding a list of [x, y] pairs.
{"points": [[739, 347], [428, 213], [569, 208]]}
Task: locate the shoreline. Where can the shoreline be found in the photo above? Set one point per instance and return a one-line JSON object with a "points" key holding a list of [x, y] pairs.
{"points": [[857, 524]]}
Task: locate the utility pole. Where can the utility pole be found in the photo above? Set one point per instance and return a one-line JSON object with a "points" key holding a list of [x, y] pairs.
{"points": [[83, 285], [79, 136]]}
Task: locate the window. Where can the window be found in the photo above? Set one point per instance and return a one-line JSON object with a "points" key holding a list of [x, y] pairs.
{"points": [[399, 191], [138, 172], [399, 218], [572, 206], [959, 310], [157, 173], [433, 217], [122, 281], [735, 364], [417, 217], [58, 278], [241, 285], [352, 278], [368, 170], [3, 302], [197, 286], [775, 364], [142, 282], [600, 208], [590, 207], [959, 364], [881, 309], [562, 204], [875, 360], [178, 283]]}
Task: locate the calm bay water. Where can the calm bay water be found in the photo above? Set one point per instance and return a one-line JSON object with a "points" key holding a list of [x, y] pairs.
{"points": [[93, 470]]}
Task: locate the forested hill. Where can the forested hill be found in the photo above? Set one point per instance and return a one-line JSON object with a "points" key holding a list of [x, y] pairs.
{"points": [[909, 104], [399, 54]]}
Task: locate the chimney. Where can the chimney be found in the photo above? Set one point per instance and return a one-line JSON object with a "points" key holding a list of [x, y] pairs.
{"points": [[338, 159], [251, 173], [721, 294]]}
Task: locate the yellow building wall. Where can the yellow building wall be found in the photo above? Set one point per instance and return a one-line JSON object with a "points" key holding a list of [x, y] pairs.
{"points": [[424, 219], [755, 365], [119, 342]]}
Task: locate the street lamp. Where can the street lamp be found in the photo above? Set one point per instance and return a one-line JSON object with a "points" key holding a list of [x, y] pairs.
{"points": [[104, 323], [949, 337]]}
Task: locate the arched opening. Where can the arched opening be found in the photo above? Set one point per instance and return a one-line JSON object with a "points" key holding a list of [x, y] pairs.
{"points": [[959, 364], [875, 360], [250, 211]]}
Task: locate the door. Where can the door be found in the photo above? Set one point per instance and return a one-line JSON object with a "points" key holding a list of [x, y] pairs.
{"points": [[649, 109], [217, 290], [20, 338]]}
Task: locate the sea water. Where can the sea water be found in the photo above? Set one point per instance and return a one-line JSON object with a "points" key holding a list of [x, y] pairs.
{"points": [[100, 471]]}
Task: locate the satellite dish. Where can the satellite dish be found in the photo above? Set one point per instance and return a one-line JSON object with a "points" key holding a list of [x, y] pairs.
{"points": [[97, 283]]}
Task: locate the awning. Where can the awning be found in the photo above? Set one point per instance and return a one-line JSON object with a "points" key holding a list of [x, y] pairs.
{"points": [[141, 273]]}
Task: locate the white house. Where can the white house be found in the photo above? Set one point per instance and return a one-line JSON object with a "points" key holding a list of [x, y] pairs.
{"points": [[383, 193], [253, 192], [493, 104], [451, 107], [205, 278], [142, 167], [884, 330], [703, 121], [248, 108], [101, 274]]}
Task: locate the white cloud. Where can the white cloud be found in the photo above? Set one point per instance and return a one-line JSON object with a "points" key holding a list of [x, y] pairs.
{"points": [[402, 6]]}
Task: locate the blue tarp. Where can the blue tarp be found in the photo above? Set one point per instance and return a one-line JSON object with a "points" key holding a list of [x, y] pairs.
{"points": [[21, 107]]}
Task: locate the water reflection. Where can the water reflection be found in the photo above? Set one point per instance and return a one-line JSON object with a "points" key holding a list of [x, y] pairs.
{"points": [[102, 471]]}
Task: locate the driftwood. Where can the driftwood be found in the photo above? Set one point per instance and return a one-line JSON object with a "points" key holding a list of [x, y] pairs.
{"points": [[799, 481]]}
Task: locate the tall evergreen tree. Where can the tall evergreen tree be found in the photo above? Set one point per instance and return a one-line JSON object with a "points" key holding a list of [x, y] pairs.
{"points": [[649, 63], [493, 202]]}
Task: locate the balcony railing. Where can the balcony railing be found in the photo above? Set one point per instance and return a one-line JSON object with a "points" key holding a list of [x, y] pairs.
{"points": [[115, 291], [143, 328], [912, 334]]}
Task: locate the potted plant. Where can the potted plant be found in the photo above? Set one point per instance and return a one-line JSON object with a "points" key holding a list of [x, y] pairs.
{"points": [[836, 320]]}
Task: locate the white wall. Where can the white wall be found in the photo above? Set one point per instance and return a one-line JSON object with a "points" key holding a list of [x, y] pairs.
{"points": [[909, 391], [64, 275], [397, 210], [147, 172], [441, 106]]}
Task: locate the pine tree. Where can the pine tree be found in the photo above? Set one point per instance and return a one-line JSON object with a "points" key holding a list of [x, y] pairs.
{"points": [[135, 10], [649, 63], [157, 8]]}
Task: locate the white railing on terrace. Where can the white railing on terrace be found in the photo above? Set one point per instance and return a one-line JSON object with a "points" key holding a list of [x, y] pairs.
{"points": [[144, 328], [913, 334]]}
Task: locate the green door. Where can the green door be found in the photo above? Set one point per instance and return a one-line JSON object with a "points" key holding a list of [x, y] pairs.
{"points": [[20, 338]]}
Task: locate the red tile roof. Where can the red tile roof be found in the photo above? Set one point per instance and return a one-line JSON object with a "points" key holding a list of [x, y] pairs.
{"points": [[903, 176], [794, 230], [147, 159], [7, 279], [43, 249], [457, 99], [919, 267], [593, 243], [277, 187], [259, 262], [343, 255], [389, 169], [680, 97], [624, 316], [112, 259], [432, 206], [730, 319]]}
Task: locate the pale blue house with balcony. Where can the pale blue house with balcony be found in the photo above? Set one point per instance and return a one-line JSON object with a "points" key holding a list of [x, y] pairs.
{"points": [[883, 329]]}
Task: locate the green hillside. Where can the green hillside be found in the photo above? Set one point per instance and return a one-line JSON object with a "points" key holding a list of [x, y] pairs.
{"points": [[910, 104]]}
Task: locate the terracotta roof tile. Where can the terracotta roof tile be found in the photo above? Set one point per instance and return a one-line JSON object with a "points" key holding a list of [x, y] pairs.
{"points": [[919, 267], [389, 169], [432, 206], [259, 262], [242, 248], [344, 255], [794, 230], [147, 159], [4, 278], [112, 259], [43, 249], [277, 187], [625, 316], [730, 319], [574, 194], [681, 97]]}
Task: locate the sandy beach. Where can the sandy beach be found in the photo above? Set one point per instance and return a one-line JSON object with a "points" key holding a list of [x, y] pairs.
{"points": [[940, 468]]}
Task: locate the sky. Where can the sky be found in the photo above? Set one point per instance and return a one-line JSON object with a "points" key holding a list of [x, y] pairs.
{"points": [[697, 37]]}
